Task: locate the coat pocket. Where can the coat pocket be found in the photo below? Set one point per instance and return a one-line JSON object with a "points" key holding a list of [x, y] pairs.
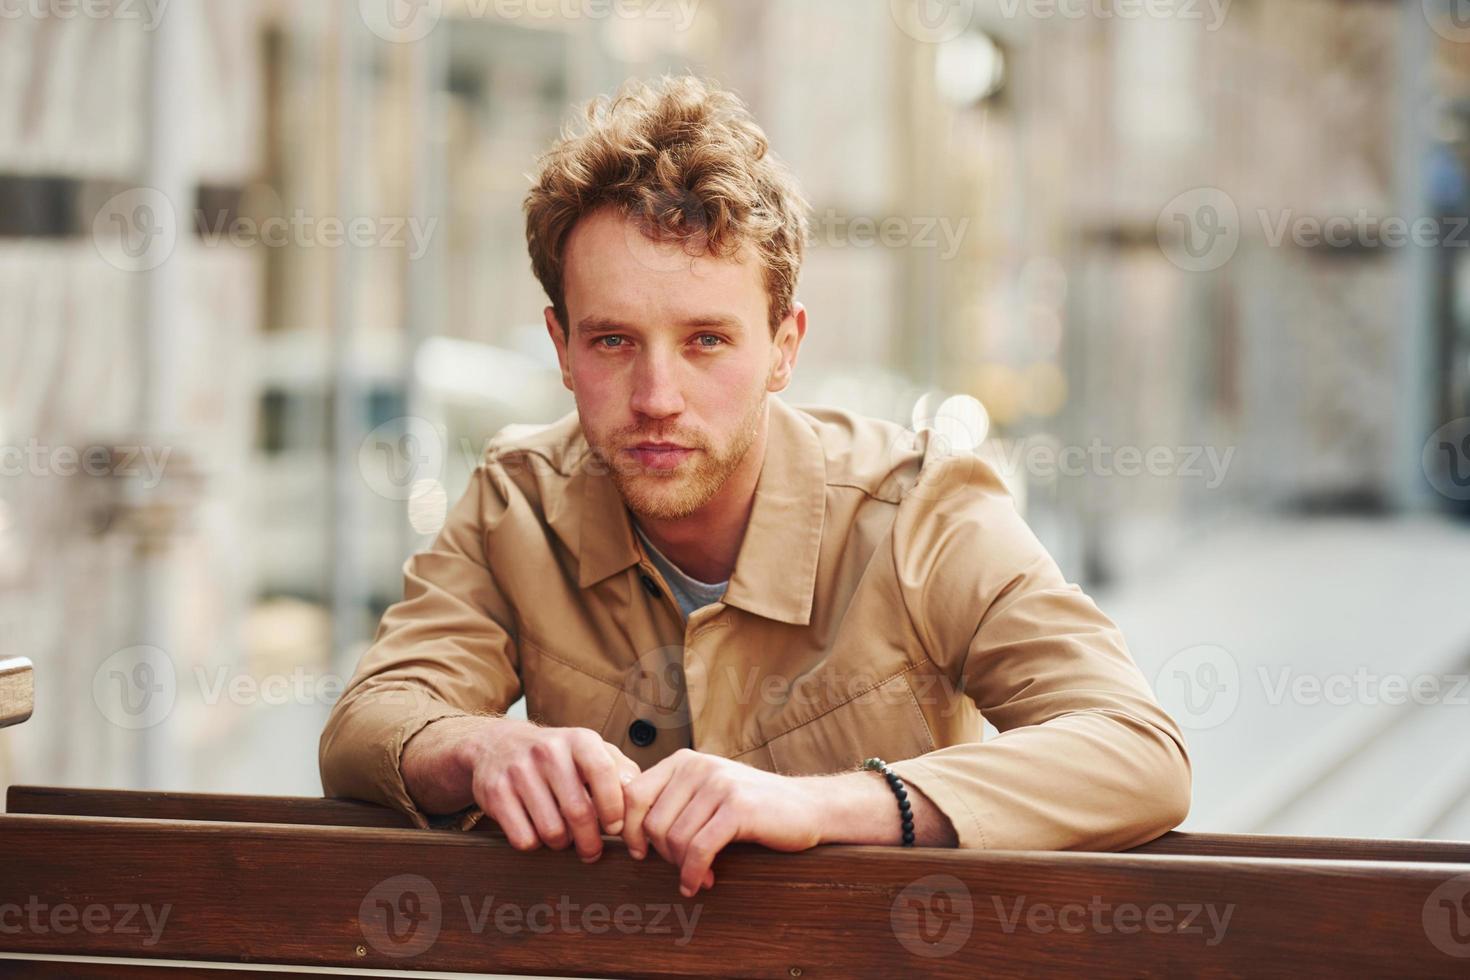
{"points": [[885, 721], [642, 711], [561, 694]]}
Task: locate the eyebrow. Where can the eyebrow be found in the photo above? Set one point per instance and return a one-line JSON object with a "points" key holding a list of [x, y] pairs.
{"points": [[595, 323]]}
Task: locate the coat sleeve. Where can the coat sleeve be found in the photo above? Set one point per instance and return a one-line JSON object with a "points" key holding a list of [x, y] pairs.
{"points": [[1086, 758], [445, 650]]}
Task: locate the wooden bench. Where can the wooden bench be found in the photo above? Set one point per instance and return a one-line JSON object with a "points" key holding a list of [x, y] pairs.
{"points": [[113, 883], [312, 810], [309, 884]]}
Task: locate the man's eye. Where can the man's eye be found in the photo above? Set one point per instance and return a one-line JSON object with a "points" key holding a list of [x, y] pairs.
{"points": [[700, 340], [606, 342]]}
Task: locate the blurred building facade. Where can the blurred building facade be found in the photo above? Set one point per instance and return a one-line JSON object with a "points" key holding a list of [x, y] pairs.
{"points": [[1023, 209]]}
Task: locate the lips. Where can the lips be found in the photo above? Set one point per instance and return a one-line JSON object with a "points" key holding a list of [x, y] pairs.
{"points": [[660, 455]]}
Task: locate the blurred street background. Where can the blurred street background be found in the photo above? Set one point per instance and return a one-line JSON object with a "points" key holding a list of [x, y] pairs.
{"points": [[1194, 273]]}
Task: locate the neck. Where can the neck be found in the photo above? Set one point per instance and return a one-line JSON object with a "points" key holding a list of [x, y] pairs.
{"points": [[706, 543]]}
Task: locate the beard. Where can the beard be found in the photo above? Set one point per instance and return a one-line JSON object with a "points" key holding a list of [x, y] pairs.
{"points": [[671, 495]]}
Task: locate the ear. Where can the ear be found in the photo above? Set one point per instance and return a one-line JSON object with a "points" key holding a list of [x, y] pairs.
{"points": [[559, 338], [784, 348]]}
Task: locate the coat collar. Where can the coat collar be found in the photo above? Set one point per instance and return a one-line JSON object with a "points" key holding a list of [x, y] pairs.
{"points": [[776, 570]]}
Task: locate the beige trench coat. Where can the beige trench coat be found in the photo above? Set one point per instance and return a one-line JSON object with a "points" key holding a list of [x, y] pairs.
{"points": [[886, 599]]}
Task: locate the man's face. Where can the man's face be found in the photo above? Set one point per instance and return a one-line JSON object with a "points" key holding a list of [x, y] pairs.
{"points": [[670, 358]]}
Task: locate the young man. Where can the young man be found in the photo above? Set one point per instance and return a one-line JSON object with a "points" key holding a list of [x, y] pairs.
{"points": [[717, 606]]}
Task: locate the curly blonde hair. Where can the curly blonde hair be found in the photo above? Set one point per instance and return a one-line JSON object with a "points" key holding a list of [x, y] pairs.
{"points": [[685, 160]]}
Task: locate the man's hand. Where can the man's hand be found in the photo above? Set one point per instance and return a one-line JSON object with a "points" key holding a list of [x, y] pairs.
{"points": [[690, 805], [551, 786]]}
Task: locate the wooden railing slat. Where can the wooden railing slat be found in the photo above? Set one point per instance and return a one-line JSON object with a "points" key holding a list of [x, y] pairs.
{"points": [[47, 969], [160, 805], [315, 895], [352, 813], [1320, 848]]}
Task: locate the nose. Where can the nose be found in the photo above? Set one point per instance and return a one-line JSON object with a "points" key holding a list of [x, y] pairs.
{"points": [[656, 392]]}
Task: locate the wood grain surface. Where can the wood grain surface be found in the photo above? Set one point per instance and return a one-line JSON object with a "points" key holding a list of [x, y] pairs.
{"points": [[378, 898]]}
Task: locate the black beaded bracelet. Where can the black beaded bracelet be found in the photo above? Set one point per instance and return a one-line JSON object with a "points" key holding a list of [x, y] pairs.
{"points": [[905, 812]]}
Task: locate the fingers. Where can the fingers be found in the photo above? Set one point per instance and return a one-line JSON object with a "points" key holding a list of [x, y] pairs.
{"points": [[695, 814], [672, 801], [556, 786], [503, 806], [699, 855], [602, 773], [639, 796], [623, 763], [570, 787], [536, 797], [560, 770]]}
